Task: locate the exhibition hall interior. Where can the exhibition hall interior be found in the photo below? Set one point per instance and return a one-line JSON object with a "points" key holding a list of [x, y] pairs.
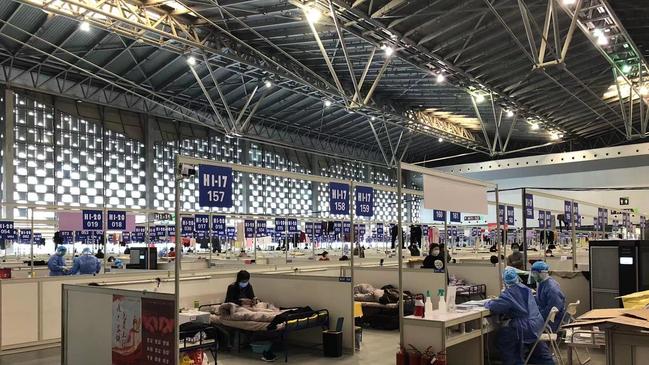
{"points": [[396, 182]]}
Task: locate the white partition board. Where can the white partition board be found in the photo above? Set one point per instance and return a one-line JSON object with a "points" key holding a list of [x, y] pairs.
{"points": [[89, 331], [19, 308]]}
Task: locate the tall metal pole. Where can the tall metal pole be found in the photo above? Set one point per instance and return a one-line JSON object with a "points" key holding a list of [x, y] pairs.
{"points": [[498, 238], [400, 253], [178, 180], [254, 240], [573, 220], [105, 235], [351, 247], [209, 230], [524, 221], [447, 240], [31, 247]]}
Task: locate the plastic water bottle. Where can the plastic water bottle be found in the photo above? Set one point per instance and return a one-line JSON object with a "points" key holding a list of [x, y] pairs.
{"points": [[428, 308], [419, 307], [442, 301]]}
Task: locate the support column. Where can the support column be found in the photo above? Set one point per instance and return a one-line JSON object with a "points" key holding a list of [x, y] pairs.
{"points": [[9, 154]]}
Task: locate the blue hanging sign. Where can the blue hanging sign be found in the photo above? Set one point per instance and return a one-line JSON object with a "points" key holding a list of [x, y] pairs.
{"points": [[280, 226], [541, 219], [218, 225], [361, 230], [116, 220], [439, 215], [292, 225], [379, 229], [38, 237], [577, 216], [643, 221], [261, 228], [92, 219], [454, 231], [171, 231], [510, 215], [201, 223], [308, 228], [25, 236], [338, 198], [214, 186], [187, 225], [126, 237], [317, 229], [549, 219], [7, 230], [231, 232], [605, 216], [249, 228], [338, 227], [567, 210], [501, 214], [529, 206], [455, 217], [347, 227], [364, 201], [67, 236]]}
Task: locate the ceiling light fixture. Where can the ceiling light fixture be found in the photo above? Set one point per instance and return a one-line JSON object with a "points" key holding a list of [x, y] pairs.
{"points": [[388, 50], [313, 15], [555, 136], [440, 78], [440, 140], [479, 98], [85, 26], [268, 84], [568, 2], [327, 103], [644, 90], [191, 60], [510, 113], [602, 41], [373, 119], [626, 68], [535, 127]]}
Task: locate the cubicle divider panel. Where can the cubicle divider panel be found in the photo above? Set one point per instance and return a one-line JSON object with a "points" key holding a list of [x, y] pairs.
{"points": [[19, 310], [575, 286], [478, 274], [317, 292]]}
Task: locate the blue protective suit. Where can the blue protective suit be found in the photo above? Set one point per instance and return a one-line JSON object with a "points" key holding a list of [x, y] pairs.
{"points": [[56, 264], [85, 265], [517, 304], [548, 295]]}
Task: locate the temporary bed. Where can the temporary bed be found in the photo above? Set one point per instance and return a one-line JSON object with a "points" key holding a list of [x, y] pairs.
{"points": [[380, 309]]}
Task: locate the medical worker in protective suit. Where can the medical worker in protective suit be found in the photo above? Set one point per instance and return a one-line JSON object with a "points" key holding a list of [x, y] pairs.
{"points": [[522, 322], [86, 264], [56, 263], [548, 293]]}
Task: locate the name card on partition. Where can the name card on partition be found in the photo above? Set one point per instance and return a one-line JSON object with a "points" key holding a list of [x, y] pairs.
{"points": [[338, 198], [529, 206], [439, 215], [7, 230], [249, 228], [292, 225], [455, 217], [364, 201], [92, 219], [201, 222], [116, 220], [214, 186], [218, 225], [261, 228], [510, 215], [187, 225]]}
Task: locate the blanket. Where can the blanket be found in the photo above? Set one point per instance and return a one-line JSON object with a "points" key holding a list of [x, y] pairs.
{"points": [[367, 293], [261, 312]]}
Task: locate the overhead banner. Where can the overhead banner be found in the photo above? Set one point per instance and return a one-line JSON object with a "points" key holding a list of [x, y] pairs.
{"points": [[116, 220], [187, 225], [214, 186], [567, 210], [7, 230], [364, 201], [249, 228], [442, 193], [201, 223], [292, 225], [541, 219], [261, 229], [218, 225], [501, 214], [455, 217], [439, 215], [510, 215], [92, 219], [529, 206], [338, 198]]}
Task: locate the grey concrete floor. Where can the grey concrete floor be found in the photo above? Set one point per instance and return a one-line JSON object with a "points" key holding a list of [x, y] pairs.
{"points": [[379, 347]]}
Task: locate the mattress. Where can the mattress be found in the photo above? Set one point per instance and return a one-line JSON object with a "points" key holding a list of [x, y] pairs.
{"points": [[251, 326]]}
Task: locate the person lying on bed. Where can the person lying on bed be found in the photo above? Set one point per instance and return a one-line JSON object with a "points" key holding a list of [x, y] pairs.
{"points": [[240, 292]]}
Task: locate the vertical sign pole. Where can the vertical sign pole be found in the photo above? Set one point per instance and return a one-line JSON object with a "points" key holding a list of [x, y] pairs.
{"points": [[285, 238], [254, 240], [573, 220], [447, 240], [147, 240], [351, 202], [524, 211], [178, 180], [31, 247], [399, 252], [104, 234], [209, 230], [498, 237]]}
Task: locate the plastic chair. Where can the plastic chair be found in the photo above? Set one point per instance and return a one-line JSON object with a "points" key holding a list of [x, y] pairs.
{"points": [[547, 335], [569, 317]]}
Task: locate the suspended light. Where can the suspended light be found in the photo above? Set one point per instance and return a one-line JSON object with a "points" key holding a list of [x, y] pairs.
{"points": [[479, 98], [268, 84], [555, 136], [602, 41], [388, 50], [440, 78], [626, 68], [598, 32], [510, 113], [327, 103], [373, 119], [313, 15], [85, 26], [535, 127], [440, 140], [191, 60], [569, 2], [644, 90]]}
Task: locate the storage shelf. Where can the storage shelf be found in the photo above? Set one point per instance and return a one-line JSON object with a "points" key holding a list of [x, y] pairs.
{"points": [[454, 340]]}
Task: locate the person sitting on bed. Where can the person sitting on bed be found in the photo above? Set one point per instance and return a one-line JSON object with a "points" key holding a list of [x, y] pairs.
{"points": [[240, 292]]}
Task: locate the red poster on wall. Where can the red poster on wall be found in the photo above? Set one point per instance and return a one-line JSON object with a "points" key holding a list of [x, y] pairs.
{"points": [[158, 331], [127, 330]]}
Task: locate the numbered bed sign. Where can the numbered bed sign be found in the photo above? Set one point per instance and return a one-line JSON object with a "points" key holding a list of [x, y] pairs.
{"points": [[92, 219], [338, 198], [187, 225], [280, 225], [116, 220], [529, 206], [261, 229], [510, 215], [439, 215], [214, 186], [347, 227], [308, 228], [292, 225], [7, 230], [455, 217], [364, 201], [218, 225], [249, 228], [201, 222]]}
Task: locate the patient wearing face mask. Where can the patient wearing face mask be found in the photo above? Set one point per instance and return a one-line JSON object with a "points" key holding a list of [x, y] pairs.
{"points": [[240, 292], [516, 258]]}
